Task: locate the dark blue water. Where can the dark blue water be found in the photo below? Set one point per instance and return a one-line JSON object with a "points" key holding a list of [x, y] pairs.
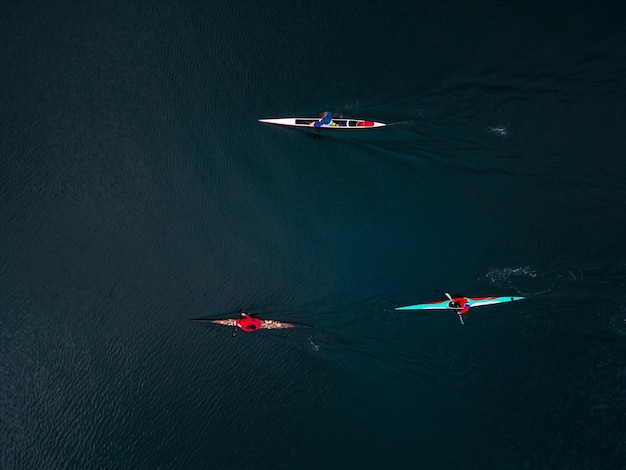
{"points": [[137, 190]]}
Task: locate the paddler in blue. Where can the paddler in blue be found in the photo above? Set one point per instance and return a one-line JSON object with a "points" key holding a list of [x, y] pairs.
{"points": [[325, 120]]}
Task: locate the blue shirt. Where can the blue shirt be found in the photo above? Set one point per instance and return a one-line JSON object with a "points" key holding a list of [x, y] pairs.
{"points": [[327, 118]]}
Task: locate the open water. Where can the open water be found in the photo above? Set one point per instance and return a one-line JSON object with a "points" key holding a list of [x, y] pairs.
{"points": [[137, 190]]}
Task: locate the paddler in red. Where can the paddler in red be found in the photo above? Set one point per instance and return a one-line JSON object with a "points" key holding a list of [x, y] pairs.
{"points": [[460, 304], [248, 323]]}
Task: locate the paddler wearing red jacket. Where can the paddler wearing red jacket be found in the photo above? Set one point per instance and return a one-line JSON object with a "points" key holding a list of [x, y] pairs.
{"points": [[248, 323], [460, 304]]}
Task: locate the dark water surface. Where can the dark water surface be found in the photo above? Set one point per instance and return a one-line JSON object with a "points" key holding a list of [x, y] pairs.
{"points": [[137, 191]]}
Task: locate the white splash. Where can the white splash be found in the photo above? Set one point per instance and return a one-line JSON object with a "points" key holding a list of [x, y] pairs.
{"points": [[502, 274], [500, 131]]}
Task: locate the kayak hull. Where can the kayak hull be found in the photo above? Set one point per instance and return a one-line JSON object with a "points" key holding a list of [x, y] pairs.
{"points": [[473, 302], [336, 124], [265, 324]]}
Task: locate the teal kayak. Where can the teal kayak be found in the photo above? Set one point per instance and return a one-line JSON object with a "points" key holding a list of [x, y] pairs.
{"points": [[472, 301]]}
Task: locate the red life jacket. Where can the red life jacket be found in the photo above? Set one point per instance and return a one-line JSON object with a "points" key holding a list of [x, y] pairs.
{"points": [[461, 304], [248, 323]]}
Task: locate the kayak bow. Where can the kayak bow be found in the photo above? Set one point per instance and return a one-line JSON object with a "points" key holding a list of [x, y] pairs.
{"points": [[473, 302]]}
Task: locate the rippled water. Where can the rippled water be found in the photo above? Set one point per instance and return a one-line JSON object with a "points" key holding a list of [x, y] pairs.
{"points": [[138, 191]]}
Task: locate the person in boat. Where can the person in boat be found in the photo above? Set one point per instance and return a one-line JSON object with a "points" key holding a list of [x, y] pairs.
{"points": [[248, 323], [460, 304], [325, 120]]}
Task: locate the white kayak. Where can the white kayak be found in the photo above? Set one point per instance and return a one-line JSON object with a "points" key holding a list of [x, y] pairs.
{"points": [[336, 123]]}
